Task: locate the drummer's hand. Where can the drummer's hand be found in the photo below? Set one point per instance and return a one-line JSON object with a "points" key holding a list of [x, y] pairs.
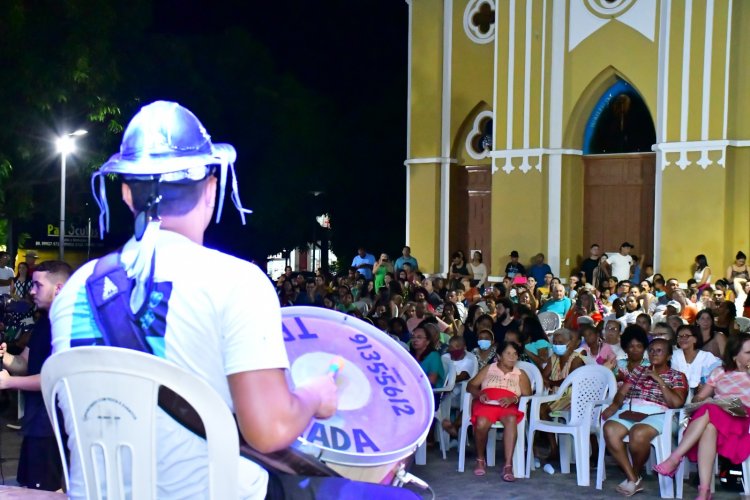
{"points": [[325, 388]]}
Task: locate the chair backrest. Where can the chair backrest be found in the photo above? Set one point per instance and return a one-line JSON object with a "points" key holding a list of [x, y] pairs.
{"points": [[449, 368], [535, 377], [111, 395], [590, 383], [743, 324], [550, 321]]}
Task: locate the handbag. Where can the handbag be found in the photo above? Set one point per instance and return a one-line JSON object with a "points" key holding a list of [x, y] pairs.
{"points": [[732, 406]]}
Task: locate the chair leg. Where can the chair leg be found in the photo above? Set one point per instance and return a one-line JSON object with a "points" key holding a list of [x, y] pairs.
{"points": [[746, 477], [530, 452], [462, 448], [491, 445], [600, 472], [564, 442], [679, 477], [421, 456], [519, 451], [581, 448]]}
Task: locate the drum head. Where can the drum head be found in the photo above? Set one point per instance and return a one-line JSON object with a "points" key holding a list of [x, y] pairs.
{"points": [[386, 404]]}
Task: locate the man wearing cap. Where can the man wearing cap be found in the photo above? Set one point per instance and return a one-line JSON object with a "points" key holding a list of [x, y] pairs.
{"points": [[225, 332], [514, 268], [620, 264]]}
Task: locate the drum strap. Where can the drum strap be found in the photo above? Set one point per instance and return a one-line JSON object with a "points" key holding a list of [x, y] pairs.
{"points": [[108, 290]]}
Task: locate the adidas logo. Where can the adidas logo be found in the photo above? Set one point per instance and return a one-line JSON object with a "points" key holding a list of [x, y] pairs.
{"points": [[109, 289]]}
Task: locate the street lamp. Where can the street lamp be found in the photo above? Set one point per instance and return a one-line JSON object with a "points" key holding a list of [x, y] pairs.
{"points": [[65, 146]]}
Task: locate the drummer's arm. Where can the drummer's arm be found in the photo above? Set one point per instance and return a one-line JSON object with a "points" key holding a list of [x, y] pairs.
{"points": [[270, 416]]}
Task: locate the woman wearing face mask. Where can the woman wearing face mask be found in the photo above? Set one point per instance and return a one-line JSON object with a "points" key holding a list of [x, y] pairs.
{"points": [[497, 389], [562, 362], [486, 352], [633, 341]]}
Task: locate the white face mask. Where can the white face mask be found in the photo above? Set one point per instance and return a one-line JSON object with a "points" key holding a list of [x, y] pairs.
{"points": [[559, 349], [484, 344]]}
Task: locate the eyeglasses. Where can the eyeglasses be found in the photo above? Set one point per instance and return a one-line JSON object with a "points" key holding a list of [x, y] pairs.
{"points": [[612, 329], [684, 336], [419, 338]]}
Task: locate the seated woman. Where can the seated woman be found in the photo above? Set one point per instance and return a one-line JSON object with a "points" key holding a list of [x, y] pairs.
{"points": [[497, 389], [648, 390], [428, 358], [633, 341], [712, 340], [711, 429], [485, 352], [563, 361], [690, 359]]}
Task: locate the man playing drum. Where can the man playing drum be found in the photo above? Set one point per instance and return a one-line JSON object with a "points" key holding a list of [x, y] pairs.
{"points": [[227, 332]]}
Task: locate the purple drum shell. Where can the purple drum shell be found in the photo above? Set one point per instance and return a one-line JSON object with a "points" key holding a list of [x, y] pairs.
{"points": [[386, 404]]}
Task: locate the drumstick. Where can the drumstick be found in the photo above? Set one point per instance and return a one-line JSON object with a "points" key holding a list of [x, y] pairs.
{"points": [[337, 364]]}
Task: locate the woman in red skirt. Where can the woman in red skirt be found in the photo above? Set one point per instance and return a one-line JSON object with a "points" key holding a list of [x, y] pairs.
{"points": [[496, 390], [711, 429]]}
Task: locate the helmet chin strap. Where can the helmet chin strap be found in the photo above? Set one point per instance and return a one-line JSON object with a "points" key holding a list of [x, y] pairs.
{"points": [[228, 164], [138, 259]]}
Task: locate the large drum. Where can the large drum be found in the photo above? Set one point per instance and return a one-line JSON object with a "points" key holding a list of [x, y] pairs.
{"points": [[385, 406]]}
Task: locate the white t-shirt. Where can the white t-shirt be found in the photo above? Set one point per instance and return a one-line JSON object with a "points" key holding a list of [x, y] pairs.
{"points": [[6, 273], [703, 364], [214, 328], [620, 266]]}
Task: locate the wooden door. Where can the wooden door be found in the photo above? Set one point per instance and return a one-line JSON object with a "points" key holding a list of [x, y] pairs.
{"points": [[619, 202]]}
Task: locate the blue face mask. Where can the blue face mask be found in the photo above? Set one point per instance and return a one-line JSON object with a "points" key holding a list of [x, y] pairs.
{"points": [[559, 349], [484, 344]]}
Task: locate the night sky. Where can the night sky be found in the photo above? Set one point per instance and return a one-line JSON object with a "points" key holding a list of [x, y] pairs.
{"points": [[354, 54], [311, 94]]}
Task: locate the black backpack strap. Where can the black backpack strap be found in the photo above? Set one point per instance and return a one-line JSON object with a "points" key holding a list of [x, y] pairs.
{"points": [[108, 290]]}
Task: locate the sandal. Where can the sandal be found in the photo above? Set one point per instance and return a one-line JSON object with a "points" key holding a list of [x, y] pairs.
{"points": [[508, 476], [668, 467], [481, 467], [704, 493]]}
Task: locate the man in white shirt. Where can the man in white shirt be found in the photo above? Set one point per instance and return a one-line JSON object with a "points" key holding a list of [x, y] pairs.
{"points": [[6, 273], [229, 335], [621, 264]]}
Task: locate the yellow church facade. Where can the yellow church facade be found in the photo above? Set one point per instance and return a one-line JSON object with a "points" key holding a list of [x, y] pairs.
{"points": [[549, 125]]}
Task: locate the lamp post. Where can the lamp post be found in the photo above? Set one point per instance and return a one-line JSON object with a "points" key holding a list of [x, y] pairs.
{"points": [[65, 146]]}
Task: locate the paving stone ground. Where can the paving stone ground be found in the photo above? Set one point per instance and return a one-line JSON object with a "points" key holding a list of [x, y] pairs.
{"points": [[449, 484]]}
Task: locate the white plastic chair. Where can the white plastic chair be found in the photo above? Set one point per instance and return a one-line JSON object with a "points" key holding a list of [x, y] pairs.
{"points": [[111, 394], [592, 387], [537, 388], [443, 411], [550, 321], [743, 324], [662, 448]]}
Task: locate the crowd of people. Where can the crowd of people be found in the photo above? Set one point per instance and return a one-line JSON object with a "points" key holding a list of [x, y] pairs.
{"points": [[665, 342]]}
